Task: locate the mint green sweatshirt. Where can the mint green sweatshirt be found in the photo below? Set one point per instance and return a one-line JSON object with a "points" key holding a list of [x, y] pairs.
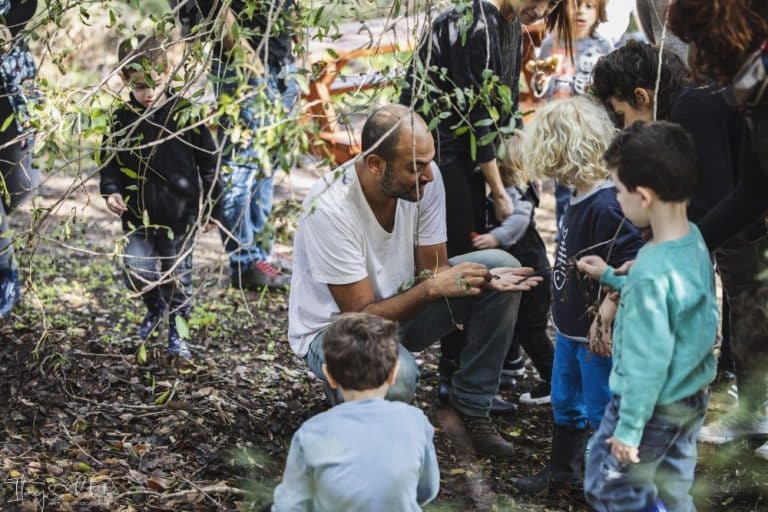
{"points": [[664, 330]]}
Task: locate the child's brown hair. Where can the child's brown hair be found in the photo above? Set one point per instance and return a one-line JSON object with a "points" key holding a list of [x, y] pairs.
{"points": [[360, 350]]}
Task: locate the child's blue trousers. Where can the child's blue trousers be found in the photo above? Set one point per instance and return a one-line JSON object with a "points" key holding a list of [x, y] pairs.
{"points": [[667, 460], [579, 384]]}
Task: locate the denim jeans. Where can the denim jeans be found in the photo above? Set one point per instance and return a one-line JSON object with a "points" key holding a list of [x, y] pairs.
{"points": [[19, 182], [247, 200], [150, 248], [488, 322], [667, 460], [740, 267], [579, 384]]}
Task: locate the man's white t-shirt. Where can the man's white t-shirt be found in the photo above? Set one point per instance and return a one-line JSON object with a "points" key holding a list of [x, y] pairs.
{"points": [[339, 241]]}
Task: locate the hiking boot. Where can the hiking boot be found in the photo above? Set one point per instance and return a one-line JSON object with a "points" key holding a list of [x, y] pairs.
{"points": [[259, 274], [499, 406], [540, 394], [152, 319], [10, 290], [565, 464], [177, 346], [485, 440], [502, 407], [734, 425]]}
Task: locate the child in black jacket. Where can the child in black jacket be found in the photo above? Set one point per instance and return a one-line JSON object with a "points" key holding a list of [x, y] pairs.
{"points": [[518, 234], [159, 167]]}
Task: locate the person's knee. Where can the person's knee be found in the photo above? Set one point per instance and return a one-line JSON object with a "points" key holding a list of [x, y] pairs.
{"points": [[491, 258], [407, 379]]}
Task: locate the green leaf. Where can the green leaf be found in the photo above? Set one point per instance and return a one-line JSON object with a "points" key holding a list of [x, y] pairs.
{"points": [[83, 467], [461, 130], [484, 122], [129, 172], [7, 122], [182, 327], [145, 218], [160, 400], [141, 354], [472, 146]]}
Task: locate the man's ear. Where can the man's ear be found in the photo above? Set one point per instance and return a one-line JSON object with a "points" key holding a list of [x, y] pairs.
{"points": [[376, 164], [331, 381], [393, 374], [643, 97]]}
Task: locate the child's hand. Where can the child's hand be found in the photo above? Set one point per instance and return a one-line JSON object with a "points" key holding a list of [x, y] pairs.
{"points": [[484, 242], [624, 268], [601, 330], [116, 204], [209, 226], [593, 266], [623, 452]]}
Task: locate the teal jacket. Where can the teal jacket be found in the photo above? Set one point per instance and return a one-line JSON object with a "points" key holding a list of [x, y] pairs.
{"points": [[664, 330]]}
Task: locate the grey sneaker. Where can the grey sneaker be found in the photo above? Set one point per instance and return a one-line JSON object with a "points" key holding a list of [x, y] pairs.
{"points": [[260, 274], [734, 425]]}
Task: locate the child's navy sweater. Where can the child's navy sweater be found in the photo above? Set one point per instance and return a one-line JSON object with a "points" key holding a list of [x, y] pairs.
{"points": [[589, 220]]}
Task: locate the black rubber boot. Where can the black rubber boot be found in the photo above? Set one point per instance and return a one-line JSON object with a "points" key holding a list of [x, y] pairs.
{"points": [[565, 464]]}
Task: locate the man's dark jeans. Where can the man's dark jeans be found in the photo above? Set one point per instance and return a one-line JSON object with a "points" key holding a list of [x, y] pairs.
{"points": [[487, 321]]}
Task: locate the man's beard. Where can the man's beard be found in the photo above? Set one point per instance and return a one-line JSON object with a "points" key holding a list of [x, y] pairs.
{"points": [[399, 190]]}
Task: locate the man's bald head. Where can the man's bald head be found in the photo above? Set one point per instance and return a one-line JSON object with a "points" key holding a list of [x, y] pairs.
{"points": [[384, 127]]}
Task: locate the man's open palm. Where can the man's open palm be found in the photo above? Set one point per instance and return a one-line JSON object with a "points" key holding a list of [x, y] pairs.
{"points": [[513, 279]]}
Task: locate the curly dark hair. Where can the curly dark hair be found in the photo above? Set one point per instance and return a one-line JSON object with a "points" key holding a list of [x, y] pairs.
{"points": [[659, 156], [723, 33], [360, 350], [635, 65]]}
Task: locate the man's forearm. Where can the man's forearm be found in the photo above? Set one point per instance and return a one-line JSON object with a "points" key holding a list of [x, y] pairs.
{"points": [[406, 305]]}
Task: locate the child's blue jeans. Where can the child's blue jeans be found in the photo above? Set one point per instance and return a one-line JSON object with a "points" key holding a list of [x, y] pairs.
{"points": [[579, 384], [667, 460]]}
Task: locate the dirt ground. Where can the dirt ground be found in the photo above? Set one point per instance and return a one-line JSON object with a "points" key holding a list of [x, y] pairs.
{"points": [[91, 421]]}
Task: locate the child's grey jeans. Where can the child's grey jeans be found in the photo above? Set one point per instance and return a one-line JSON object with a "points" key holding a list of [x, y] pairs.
{"points": [[667, 460]]}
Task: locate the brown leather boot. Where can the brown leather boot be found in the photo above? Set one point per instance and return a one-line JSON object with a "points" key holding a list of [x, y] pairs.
{"points": [[485, 440]]}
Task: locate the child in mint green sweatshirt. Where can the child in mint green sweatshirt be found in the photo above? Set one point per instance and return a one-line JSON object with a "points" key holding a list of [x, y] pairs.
{"points": [[644, 453]]}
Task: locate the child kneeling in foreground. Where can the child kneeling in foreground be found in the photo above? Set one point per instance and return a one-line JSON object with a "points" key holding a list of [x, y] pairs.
{"points": [[643, 456], [365, 454]]}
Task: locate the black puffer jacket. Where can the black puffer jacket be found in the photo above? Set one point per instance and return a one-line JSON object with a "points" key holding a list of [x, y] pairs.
{"points": [[159, 164]]}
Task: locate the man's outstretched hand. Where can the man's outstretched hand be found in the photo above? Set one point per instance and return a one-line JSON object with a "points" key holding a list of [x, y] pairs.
{"points": [[513, 279]]}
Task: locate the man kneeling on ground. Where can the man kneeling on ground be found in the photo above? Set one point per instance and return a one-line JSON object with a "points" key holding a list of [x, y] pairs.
{"points": [[372, 238]]}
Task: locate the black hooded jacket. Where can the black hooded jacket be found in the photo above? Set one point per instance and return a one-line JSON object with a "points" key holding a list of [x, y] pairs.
{"points": [[161, 165]]}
